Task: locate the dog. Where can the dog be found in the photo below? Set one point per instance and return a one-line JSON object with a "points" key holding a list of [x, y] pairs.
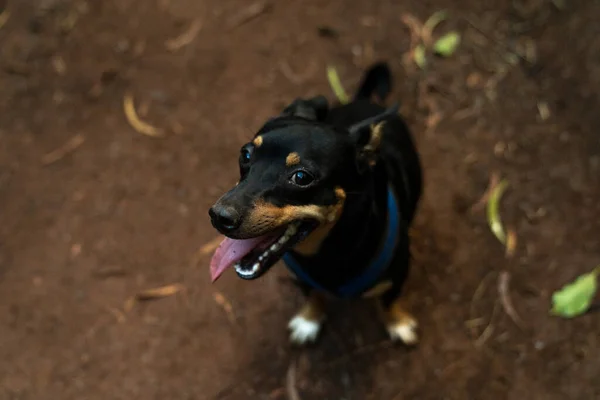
{"points": [[331, 190]]}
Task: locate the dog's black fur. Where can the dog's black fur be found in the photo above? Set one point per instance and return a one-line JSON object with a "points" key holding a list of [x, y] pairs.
{"points": [[335, 158]]}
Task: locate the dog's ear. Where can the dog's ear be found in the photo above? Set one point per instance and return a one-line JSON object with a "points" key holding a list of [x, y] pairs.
{"points": [[366, 140], [315, 108]]}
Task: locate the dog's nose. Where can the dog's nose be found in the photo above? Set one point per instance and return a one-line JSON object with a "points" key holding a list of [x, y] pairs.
{"points": [[224, 218]]}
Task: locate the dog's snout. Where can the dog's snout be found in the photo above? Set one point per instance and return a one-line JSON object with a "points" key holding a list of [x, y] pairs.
{"points": [[224, 218]]}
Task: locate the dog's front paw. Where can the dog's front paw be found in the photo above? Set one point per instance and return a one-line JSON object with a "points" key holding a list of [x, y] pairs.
{"points": [[303, 330], [404, 330]]}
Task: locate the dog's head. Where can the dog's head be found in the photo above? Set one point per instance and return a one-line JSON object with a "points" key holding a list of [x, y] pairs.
{"points": [[294, 179]]}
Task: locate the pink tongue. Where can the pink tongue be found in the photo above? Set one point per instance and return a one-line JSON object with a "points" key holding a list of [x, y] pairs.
{"points": [[231, 251]]}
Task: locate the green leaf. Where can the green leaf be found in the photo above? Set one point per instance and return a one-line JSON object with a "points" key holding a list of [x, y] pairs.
{"points": [[447, 44], [575, 298], [336, 85], [419, 56]]}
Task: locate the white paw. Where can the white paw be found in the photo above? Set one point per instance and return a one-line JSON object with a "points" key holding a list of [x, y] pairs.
{"points": [[303, 330], [406, 331]]}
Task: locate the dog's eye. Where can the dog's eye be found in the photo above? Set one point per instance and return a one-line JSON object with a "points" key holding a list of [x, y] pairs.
{"points": [[302, 178], [245, 156]]}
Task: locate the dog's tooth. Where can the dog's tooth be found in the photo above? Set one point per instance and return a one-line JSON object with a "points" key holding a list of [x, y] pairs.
{"points": [[276, 246], [283, 239], [291, 230], [255, 267]]}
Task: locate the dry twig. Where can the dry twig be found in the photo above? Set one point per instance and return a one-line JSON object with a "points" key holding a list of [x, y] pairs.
{"points": [[248, 14], [493, 182], [185, 38], [68, 147], [415, 27], [503, 282], [477, 295], [290, 382]]}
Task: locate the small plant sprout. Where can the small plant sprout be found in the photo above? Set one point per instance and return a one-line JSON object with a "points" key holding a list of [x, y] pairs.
{"points": [[444, 46], [493, 211]]}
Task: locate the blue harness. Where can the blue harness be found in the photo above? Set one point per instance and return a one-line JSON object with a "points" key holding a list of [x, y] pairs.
{"points": [[364, 281]]}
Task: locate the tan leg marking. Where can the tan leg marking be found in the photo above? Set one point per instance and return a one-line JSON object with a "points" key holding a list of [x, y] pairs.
{"points": [[400, 324], [378, 289], [306, 324]]}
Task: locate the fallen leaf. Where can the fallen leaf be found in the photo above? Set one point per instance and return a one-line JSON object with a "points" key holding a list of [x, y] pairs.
{"points": [[447, 44], [225, 304], [159, 292], [543, 110], [493, 213], [135, 121], [576, 297], [336, 85]]}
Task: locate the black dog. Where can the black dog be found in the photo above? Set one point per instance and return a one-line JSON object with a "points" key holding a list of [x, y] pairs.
{"points": [[332, 191]]}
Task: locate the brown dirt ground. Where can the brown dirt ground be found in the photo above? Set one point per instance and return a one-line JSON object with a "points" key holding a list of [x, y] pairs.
{"points": [[124, 212]]}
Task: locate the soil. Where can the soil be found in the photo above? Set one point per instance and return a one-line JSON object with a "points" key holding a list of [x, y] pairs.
{"points": [[93, 211]]}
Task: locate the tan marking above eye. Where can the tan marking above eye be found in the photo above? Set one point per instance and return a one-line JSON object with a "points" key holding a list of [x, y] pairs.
{"points": [[292, 159], [373, 146], [258, 141]]}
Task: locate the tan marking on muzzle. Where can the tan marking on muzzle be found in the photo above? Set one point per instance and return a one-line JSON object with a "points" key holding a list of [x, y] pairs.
{"points": [[265, 217], [312, 243]]}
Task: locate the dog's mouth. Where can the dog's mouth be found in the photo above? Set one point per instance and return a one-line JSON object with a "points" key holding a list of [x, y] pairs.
{"points": [[253, 257]]}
